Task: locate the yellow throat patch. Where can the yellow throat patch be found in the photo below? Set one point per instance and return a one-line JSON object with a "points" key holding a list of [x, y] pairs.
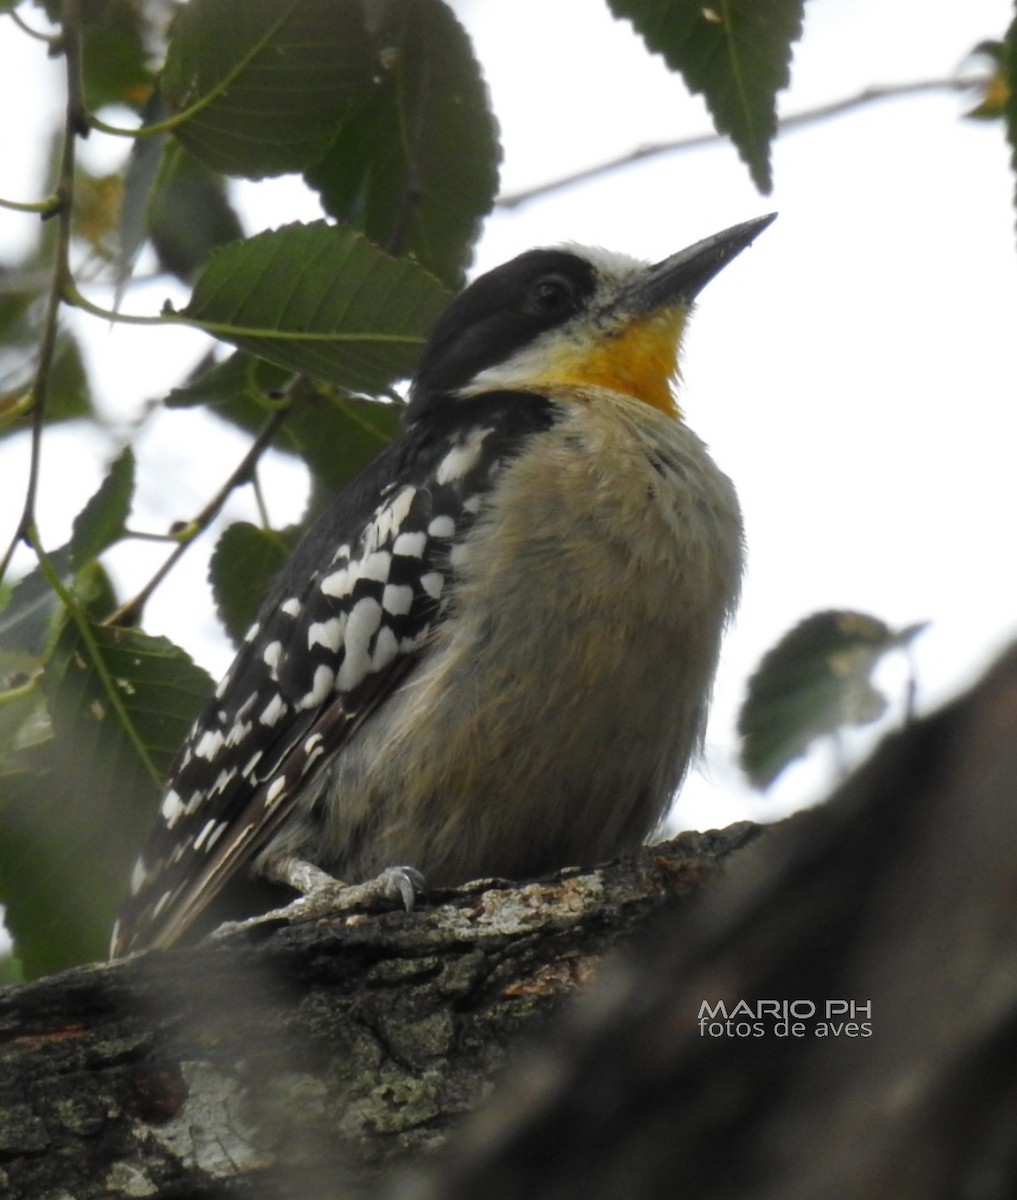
{"points": [[640, 359]]}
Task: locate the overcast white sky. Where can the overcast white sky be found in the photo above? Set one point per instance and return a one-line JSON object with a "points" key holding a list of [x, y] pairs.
{"points": [[853, 372]]}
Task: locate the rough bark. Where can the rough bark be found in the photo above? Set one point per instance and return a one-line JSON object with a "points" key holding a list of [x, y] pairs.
{"points": [[307, 1052], [900, 895], [307, 1060]]}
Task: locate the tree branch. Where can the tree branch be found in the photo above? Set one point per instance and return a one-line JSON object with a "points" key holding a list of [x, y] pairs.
{"points": [[270, 1056], [312, 1059], [870, 95]]}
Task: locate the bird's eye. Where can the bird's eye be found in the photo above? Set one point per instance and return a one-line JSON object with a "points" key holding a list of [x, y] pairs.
{"points": [[551, 295]]}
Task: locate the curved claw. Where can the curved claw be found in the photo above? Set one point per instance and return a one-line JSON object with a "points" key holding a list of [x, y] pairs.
{"points": [[402, 883]]}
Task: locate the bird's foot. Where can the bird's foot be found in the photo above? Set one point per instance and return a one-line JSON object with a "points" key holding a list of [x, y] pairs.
{"points": [[325, 896]]}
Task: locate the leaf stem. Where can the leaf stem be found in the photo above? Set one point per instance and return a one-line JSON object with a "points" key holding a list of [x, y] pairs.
{"points": [[13, 694], [228, 332], [50, 39], [16, 409], [43, 207], [73, 296], [259, 499], [144, 535]]}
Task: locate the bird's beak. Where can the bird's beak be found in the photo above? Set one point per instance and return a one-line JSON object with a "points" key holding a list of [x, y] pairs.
{"points": [[631, 347], [678, 280]]}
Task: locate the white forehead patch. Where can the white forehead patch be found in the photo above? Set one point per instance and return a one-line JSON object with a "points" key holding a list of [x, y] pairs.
{"points": [[612, 265]]}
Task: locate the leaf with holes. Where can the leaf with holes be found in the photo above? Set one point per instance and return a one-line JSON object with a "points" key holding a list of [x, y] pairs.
{"points": [[123, 698], [737, 53], [320, 299]]}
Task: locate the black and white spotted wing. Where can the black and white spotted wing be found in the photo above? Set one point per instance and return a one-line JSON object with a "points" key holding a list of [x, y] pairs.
{"points": [[344, 625]]}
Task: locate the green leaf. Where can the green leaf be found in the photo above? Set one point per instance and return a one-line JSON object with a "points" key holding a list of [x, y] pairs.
{"points": [[320, 299], [115, 63], [57, 898], [415, 165], [27, 620], [74, 809], [173, 199], [189, 215], [101, 522], [272, 79], [245, 561], [133, 694], [815, 681], [736, 52], [69, 397]]}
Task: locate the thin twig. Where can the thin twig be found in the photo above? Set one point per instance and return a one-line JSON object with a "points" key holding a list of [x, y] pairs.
{"points": [[51, 39], [44, 207], [74, 124], [870, 95], [259, 498], [129, 613]]}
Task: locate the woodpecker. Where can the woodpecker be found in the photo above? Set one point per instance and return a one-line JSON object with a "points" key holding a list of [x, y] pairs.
{"points": [[493, 654]]}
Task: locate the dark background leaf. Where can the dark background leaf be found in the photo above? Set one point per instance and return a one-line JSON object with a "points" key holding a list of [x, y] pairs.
{"points": [[190, 214], [245, 561], [69, 395], [815, 681], [414, 166]]}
